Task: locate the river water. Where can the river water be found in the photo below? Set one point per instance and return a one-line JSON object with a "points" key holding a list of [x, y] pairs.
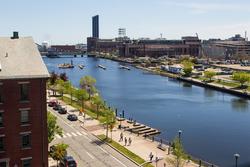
{"points": [[215, 125]]}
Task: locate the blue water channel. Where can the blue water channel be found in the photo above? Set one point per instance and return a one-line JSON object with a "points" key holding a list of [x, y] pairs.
{"points": [[215, 125]]}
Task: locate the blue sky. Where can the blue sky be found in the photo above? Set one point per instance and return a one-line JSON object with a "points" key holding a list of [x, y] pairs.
{"points": [[69, 21]]}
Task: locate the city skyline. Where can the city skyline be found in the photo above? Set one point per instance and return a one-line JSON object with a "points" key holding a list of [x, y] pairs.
{"points": [[64, 22]]}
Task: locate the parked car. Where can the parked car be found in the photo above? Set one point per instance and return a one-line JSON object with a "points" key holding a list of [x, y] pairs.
{"points": [[52, 103], [68, 161], [62, 110], [72, 117], [57, 107]]}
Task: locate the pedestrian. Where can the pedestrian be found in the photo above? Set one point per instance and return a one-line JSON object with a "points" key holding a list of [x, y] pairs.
{"points": [[151, 156], [164, 165], [129, 141], [121, 136], [125, 140]]}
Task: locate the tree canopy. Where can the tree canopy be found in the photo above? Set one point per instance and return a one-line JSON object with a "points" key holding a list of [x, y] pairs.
{"points": [[187, 67], [209, 74], [241, 77], [53, 128], [59, 151]]}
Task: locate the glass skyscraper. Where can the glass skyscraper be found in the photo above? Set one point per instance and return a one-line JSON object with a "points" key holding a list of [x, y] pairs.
{"points": [[95, 26]]}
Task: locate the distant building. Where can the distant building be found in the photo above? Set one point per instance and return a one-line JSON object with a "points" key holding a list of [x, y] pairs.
{"points": [[65, 48], [156, 48], [23, 110], [235, 47], [95, 26]]}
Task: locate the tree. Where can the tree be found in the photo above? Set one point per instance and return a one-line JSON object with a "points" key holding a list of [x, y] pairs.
{"points": [[88, 83], [241, 77], [53, 78], [81, 95], [63, 76], [209, 74], [59, 151], [179, 153], [60, 85], [187, 67], [53, 128], [98, 102], [109, 121], [69, 89]]}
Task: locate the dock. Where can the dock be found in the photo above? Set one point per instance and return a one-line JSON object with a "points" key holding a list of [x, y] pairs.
{"points": [[138, 128], [124, 67]]}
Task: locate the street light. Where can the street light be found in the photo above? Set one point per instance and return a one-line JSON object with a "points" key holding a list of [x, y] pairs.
{"points": [[179, 132], [120, 119], [236, 159]]}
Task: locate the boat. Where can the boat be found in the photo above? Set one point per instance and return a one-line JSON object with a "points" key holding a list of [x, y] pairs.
{"points": [[81, 66], [66, 65], [100, 66], [124, 67]]}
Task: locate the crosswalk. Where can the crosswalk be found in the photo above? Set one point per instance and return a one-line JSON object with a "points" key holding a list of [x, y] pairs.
{"points": [[71, 134]]}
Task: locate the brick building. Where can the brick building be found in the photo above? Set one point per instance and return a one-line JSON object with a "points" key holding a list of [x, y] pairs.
{"points": [[23, 114]]}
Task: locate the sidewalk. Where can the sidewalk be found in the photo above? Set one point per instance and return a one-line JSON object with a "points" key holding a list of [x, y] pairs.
{"points": [[140, 146]]}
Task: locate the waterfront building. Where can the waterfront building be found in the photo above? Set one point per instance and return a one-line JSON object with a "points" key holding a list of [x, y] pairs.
{"points": [[23, 110], [235, 47], [95, 26]]}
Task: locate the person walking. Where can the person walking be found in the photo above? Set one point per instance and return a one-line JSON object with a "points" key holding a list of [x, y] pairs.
{"points": [[151, 156], [125, 140], [129, 141], [121, 136]]}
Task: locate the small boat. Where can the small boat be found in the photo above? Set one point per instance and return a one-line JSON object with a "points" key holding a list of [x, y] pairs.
{"points": [[81, 66], [65, 65], [100, 66], [124, 67]]}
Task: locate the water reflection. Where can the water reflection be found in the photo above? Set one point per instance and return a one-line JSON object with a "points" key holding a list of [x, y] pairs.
{"points": [[240, 105], [209, 92]]}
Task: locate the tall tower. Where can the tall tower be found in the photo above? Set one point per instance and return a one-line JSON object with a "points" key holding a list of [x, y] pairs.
{"points": [[122, 32], [95, 26]]}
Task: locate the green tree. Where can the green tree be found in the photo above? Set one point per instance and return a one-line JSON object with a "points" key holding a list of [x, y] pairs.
{"points": [[179, 153], [98, 102], [241, 77], [60, 86], [59, 151], [109, 121], [69, 89], [187, 67], [209, 74], [81, 96], [53, 78], [88, 83], [53, 128]]}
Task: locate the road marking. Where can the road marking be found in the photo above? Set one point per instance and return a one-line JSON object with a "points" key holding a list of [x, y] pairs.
{"points": [[103, 149], [73, 134], [84, 133], [64, 136], [87, 138], [118, 161], [69, 135], [58, 136], [79, 133], [91, 156]]}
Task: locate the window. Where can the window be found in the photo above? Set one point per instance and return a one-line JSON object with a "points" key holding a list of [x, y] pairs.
{"points": [[1, 93], [26, 140], [1, 119], [24, 116], [1, 144], [24, 92], [26, 163], [3, 164]]}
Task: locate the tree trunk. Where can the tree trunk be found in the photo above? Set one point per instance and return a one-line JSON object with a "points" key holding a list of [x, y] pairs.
{"points": [[107, 131]]}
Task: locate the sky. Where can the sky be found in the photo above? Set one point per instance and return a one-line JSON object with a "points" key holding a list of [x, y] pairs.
{"points": [[69, 21]]}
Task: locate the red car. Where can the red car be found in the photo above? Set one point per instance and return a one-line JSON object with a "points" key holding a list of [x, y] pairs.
{"points": [[52, 103]]}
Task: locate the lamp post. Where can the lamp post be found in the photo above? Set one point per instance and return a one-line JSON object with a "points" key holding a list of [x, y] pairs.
{"points": [[179, 133], [236, 159]]}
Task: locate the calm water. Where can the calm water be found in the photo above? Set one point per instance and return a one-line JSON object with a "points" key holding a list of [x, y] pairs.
{"points": [[215, 125]]}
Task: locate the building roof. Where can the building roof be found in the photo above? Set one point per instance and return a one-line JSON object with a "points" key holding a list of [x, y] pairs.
{"points": [[20, 58]]}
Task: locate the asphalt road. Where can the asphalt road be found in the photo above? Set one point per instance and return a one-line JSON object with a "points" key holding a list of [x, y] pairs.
{"points": [[86, 149]]}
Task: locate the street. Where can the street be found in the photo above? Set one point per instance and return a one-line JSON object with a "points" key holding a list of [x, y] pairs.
{"points": [[86, 149]]}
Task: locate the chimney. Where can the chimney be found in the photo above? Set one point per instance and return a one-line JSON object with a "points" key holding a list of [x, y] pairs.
{"points": [[15, 35]]}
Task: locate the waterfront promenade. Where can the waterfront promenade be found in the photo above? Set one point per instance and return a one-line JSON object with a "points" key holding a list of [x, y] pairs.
{"points": [[140, 146]]}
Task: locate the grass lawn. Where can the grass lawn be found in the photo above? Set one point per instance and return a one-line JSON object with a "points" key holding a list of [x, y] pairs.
{"points": [[125, 151]]}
